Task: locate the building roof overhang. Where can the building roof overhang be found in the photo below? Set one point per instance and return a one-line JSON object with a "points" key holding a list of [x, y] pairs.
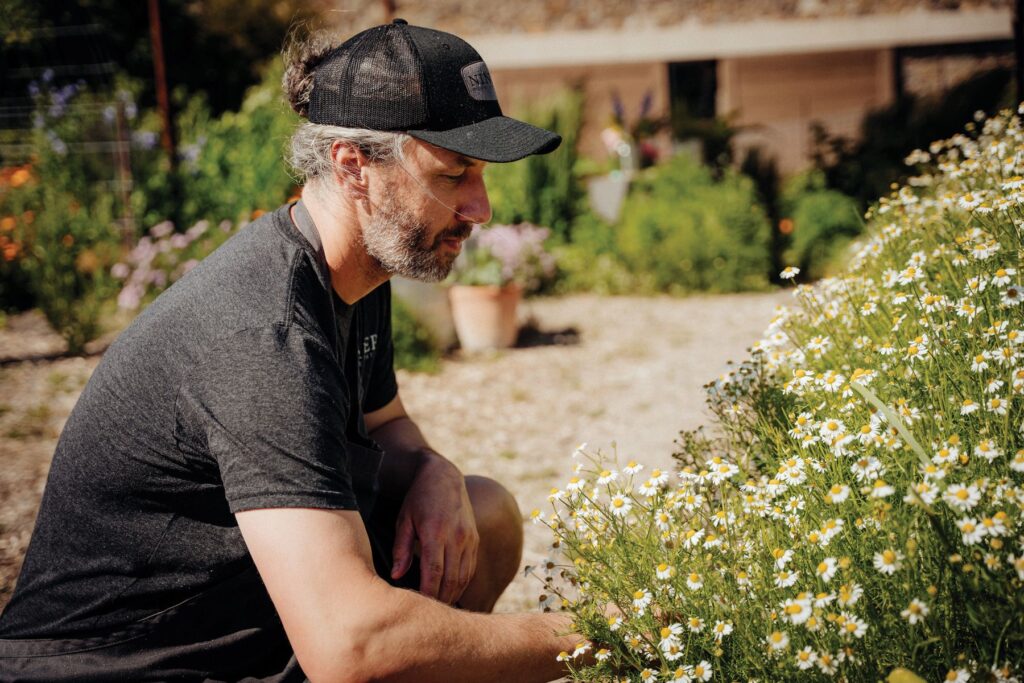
{"points": [[694, 41]]}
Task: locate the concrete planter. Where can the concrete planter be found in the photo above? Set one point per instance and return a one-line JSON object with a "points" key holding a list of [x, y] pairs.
{"points": [[485, 316]]}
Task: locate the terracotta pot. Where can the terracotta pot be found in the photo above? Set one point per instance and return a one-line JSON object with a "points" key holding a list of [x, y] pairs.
{"points": [[485, 316]]}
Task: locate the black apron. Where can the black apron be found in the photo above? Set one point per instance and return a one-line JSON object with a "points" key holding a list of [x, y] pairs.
{"points": [[230, 632]]}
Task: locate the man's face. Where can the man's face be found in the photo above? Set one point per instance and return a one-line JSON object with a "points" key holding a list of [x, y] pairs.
{"points": [[423, 209]]}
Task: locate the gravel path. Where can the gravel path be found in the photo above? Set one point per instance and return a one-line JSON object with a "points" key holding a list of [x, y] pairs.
{"points": [[633, 377]]}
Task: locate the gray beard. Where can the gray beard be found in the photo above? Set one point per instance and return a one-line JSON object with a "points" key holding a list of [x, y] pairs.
{"points": [[397, 241]]}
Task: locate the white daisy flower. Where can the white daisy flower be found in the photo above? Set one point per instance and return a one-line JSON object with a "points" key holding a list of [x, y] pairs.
{"points": [[702, 671], [721, 629], [888, 561], [961, 497], [972, 532], [806, 658], [777, 640], [827, 568], [915, 612], [786, 578], [620, 505]]}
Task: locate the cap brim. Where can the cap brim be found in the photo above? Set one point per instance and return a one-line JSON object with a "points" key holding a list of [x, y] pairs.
{"points": [[498, 139]]}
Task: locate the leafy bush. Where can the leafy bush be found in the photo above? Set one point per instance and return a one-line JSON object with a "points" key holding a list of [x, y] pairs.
{"points": [[683, 231], [71, 248], [232, 165], [824, 222], [859, 506], [543, 189], [57, 215], [415, 348]]}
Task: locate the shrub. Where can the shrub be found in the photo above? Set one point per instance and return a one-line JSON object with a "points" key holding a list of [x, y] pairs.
{"points": [[683, 231], [543, 189], [859, 506], [232, 165], [69, 250], [415, 347], [824, 223]]}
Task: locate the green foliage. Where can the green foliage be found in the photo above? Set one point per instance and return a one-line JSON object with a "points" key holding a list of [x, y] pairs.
{"points": [[234, 164], [683, 231], [543, 189], [824, 223], [591, 263], [57, 216], [415, 347], [70, 250]]}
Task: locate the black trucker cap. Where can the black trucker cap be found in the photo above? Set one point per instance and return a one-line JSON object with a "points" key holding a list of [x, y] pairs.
{"points": [[429, 84]]}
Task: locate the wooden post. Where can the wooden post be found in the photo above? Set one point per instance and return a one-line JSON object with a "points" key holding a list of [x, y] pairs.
{"points": [[390, 7], [156, 40]]}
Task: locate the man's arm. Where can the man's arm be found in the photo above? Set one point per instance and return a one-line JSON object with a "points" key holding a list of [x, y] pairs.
{"points": [[436, 510], [347, 625]]}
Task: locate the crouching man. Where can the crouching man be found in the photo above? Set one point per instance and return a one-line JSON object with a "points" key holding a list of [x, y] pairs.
{"points": [[239, 493]]}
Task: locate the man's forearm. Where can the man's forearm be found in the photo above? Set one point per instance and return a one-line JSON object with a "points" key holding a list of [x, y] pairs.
{"points": [[405, 450], [422, 640]]}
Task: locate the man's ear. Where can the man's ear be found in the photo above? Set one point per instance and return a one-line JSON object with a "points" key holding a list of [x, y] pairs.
{"points": [[350, 169]]}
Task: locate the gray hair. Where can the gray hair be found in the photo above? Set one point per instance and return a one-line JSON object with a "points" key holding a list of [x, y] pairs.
{"points": [[312, 142]]}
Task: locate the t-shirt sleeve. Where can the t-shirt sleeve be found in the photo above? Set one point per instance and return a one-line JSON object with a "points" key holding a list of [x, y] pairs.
{"points": [[383, 386], [271, 404]]}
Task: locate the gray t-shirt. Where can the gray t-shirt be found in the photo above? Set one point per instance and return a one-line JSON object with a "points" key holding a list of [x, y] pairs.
{"points": [[242, 386]]}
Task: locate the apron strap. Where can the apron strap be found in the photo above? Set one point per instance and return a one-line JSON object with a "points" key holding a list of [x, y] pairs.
{"points": [[304, 222]]}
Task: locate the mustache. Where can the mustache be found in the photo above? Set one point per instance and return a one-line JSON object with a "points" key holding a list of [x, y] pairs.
{"points": [[460, 230]]}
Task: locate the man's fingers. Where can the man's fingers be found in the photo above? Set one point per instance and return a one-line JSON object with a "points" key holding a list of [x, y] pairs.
{"points": [[452, 583], [401, 554], [467, 568], [431, 568]]}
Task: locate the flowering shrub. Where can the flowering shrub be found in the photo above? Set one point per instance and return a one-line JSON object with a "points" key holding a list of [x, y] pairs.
{"points": [[859, 506], [161, 257], [503, 254]]}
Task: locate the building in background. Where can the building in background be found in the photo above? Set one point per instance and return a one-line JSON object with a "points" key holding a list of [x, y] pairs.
{"points": [[773, 66]]}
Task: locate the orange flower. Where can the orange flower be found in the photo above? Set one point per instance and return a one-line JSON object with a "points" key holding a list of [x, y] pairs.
{"points": [[257, 213], [68, 240], [20, 177], [9, 248], [28, 217], [7, 223]]}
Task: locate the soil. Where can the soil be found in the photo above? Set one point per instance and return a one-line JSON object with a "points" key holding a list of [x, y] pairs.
{"points": [[621, 374]]}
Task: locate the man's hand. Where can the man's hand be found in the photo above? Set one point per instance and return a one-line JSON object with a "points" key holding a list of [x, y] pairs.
{"points": [[438, 515]]}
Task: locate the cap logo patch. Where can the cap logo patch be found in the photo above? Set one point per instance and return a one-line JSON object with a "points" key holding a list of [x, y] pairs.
{"points": [[478, 81]]}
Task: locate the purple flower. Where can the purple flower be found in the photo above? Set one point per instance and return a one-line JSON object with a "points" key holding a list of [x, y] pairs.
{"points": [[109, 114], [161, 230], [144, 139], [197, 230], [130, 297], [179, 241], [120, 270], [47, 75]]}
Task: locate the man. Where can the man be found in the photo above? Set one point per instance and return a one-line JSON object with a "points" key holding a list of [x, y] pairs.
{"points": [[219, 507]]}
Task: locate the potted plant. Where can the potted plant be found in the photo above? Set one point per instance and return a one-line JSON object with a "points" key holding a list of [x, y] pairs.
{"points": [[496, 266]]}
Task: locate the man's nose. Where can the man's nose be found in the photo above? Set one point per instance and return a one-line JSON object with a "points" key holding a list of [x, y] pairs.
{"points": [[476, 207]]}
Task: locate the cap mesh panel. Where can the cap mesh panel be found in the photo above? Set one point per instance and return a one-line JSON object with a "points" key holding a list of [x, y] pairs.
{"points": [[373, 83]]}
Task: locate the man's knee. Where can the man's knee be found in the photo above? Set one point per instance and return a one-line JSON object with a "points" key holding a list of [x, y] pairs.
{"points": [[498, 518]]}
